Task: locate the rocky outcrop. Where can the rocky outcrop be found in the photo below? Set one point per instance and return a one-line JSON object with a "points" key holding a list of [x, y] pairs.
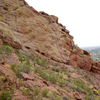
{"points": [[39, 34], [26, 76], [96, 67]]}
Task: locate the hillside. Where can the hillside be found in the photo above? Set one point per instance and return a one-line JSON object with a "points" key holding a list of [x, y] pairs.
{"points": [[26, 77], [39, 60]]}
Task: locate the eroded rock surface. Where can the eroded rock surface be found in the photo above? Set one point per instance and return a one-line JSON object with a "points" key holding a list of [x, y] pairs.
{"points": [[39, 34]]}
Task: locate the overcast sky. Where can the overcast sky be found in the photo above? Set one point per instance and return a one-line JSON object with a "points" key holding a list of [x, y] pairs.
{"points": [[81, 18]]}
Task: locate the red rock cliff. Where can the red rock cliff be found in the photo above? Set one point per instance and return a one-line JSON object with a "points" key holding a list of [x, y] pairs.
{"points": [[40, 34]]}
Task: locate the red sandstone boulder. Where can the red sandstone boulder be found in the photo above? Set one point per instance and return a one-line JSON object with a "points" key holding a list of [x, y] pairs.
{"points": [[26, 76], [96, 67], [83, 62]]}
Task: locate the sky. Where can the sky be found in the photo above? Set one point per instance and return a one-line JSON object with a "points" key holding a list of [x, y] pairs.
{"points": [[81, 18]]}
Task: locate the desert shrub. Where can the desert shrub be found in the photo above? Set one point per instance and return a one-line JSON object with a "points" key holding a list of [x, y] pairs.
{"points": [[61, 82], [2, 56], [77, 68], [56, 69], [68, 74], [89, 80], [53, 69], [53, 96], [36, 91], [53, 77], [5, 95], [80, 83], [42, 62], [25, 91], [44, 74], [81, 87], [64, 98], [72, 86], [6, 49], [99, 91], [45, 92], [49, 76], [87, 97], [21, 67], [23, 57], [37, 69]]}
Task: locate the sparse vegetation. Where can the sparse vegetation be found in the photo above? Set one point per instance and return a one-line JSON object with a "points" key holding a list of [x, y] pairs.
{"points": [[42, 62], [1, 18], [89, 80], [21, 67], [56, 69], [54, 75], [6, 49], [25, 91], [36, 91], [49, 76], [5, 95], [45, 92], [64, 98]]}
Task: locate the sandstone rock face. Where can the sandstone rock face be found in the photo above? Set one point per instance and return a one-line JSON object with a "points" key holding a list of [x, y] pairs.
{"points": [[40, 34]]}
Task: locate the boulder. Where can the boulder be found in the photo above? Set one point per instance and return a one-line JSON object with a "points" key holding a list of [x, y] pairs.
{"points": [[83, 61], [96, 67], [45, 82], [26, 76]]}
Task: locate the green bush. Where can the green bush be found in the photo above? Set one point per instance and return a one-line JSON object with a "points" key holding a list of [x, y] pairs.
{"points": [[42, 62], [5, 96], [64, 98], [21, 67], [53, 77], [36, 91], [45, 92], [37, 69], [81, 87], [99, 91], [25, 91], [49, 76], [89, 80], [56, 69], [44, 75], [68, 74], [53, 69], [62, 82], [6, 49], [23, 57]]}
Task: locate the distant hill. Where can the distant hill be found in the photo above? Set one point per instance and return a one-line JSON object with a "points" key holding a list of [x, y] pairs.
{"points": [[94, 52]]}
